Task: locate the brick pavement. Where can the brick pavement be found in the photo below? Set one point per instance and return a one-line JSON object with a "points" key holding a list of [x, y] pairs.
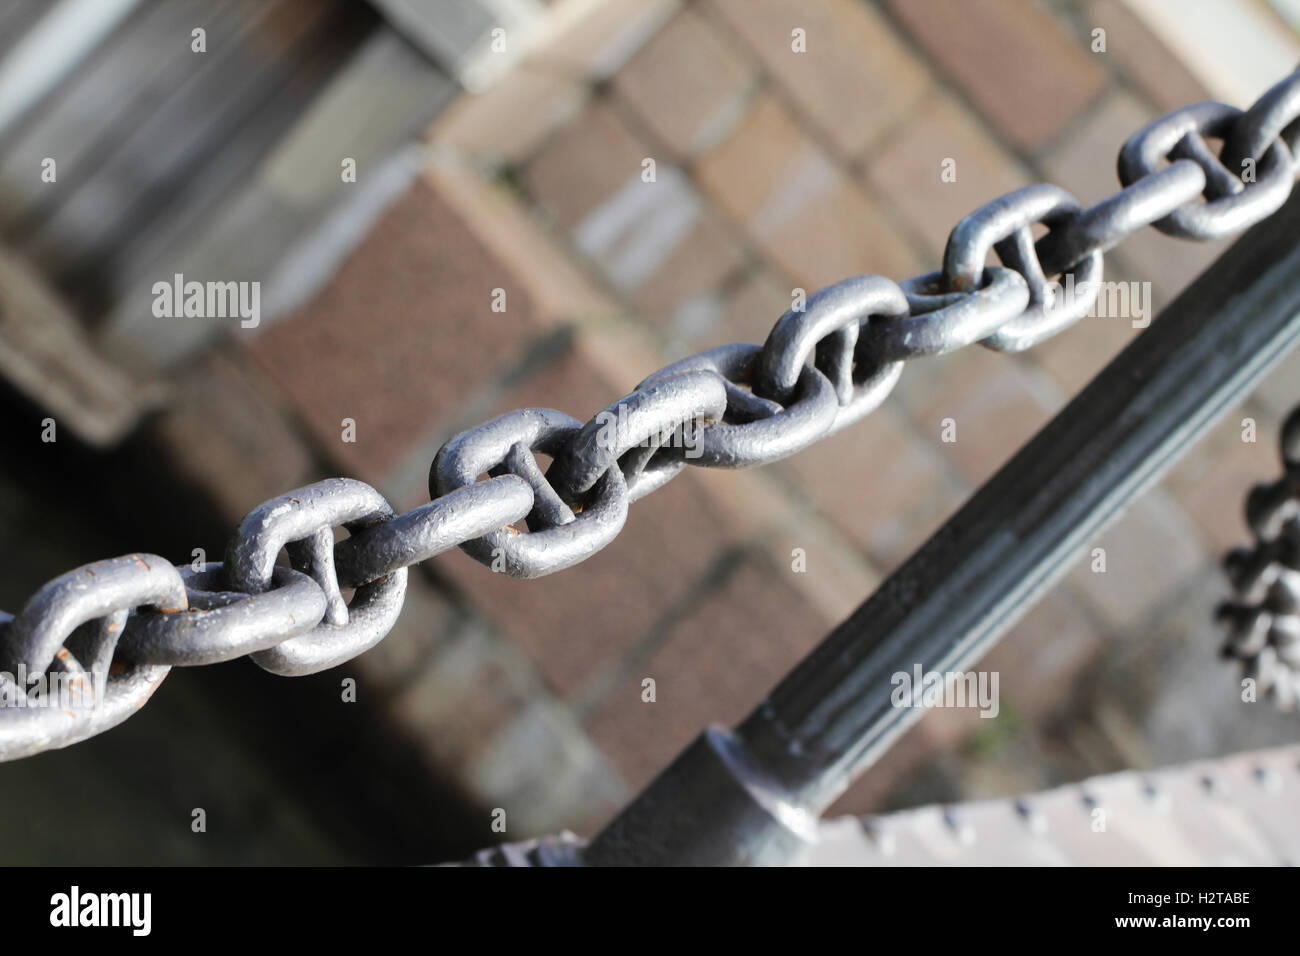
{"points": [[773, 170]]}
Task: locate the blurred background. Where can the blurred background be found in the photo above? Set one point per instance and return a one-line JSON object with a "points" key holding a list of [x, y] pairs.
{"points": [[500, 145]]}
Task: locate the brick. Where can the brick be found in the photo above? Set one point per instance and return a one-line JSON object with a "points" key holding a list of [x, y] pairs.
{"points": [[249, 453], [1075, 356], [379, 355], [483, 719], [1013, 60], [585, 164], [655, 241], [458, 702], [996, 403], [909, 493], [697, 266], [1083, 161], [802, 210], [580, 620], [1212, 481], [1040, 659], [548, 775], [1039, 664], [688, 84], [592, 41], [1167, 263], [426, 620], [507, 123], [1143, 56], [747, 312], [714, 666], [906, 170], [1151, 551], [558, 288], [857, 78]]}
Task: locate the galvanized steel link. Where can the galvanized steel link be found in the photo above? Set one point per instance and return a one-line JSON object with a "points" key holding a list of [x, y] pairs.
{"points": [[822, 367]]}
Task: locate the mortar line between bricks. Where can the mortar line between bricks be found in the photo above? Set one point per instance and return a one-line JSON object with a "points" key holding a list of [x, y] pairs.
{"points": [[597, 689], [1148, 623], [750, 251], [541, 352], [538, 213], [954, 85], [844, 163], [943, 82], [1193, 582], [811, 516], [459, 617], [885, 198], [1075, 12], [604, 91]]}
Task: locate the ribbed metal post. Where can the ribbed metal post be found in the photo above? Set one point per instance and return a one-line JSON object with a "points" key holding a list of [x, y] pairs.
{"points": [[746, 797]]}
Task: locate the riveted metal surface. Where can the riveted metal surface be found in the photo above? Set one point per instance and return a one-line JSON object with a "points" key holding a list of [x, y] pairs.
{"points": [[837, 712]]}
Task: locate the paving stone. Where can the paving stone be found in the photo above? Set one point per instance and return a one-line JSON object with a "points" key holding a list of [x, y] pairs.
{"points": [[815, 223], [857, 79], [689, 84], [1012, 58]]}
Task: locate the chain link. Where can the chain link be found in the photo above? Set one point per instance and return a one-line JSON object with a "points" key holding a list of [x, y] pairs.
{"points": [[124, 622], [1263, 619]]}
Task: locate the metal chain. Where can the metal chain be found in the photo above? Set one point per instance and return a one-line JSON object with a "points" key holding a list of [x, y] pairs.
{"points": [[108, 632], [1264, 618]]}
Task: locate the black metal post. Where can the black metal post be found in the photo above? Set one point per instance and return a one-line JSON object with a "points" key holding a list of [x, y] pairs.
{"points": [[753, 795]]}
